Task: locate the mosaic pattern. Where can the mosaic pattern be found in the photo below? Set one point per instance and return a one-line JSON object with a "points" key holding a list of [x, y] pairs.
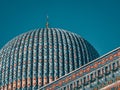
{"points": [[38, 57], [86, 69]]}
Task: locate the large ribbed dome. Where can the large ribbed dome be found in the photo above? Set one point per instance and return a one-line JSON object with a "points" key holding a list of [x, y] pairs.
{"points": [[38, 57]]}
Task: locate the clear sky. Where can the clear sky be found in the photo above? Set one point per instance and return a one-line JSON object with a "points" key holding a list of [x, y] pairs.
{"points": [[98, 21]]}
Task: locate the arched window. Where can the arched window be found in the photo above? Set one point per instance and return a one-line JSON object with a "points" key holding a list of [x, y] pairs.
{"points": [[106, 70], [71, 86], [78, 83], [65, 88]]}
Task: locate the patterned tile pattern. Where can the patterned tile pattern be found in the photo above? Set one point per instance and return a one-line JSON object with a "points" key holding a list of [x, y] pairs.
{"points": [[86, 69], [38, 57]]}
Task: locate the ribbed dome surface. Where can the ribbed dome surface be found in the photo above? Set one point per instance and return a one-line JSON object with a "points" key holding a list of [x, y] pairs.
{"points": [[38, 57]]}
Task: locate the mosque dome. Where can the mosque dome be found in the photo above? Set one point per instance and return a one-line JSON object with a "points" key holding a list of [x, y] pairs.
{"points": [[41, 56]]}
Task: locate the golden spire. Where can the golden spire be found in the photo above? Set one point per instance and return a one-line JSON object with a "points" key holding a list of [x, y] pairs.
{"points": [[47, 24]]}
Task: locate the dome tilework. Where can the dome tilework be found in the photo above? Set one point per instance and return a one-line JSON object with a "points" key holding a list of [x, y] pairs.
{"points": [[38, 57]]}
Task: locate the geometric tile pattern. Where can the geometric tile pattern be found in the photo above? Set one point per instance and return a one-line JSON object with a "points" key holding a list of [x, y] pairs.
{"points": [[86, 70], [36, 58]]}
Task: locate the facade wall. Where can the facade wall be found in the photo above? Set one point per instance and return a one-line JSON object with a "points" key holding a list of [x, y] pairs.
{"points": [[93, 76], [113, 86]]}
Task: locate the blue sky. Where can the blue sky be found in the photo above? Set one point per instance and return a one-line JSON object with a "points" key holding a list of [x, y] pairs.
{"points": [[98, 21]]}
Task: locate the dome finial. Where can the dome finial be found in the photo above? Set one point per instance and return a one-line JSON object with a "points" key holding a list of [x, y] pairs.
{"points": [[47, 24]]}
